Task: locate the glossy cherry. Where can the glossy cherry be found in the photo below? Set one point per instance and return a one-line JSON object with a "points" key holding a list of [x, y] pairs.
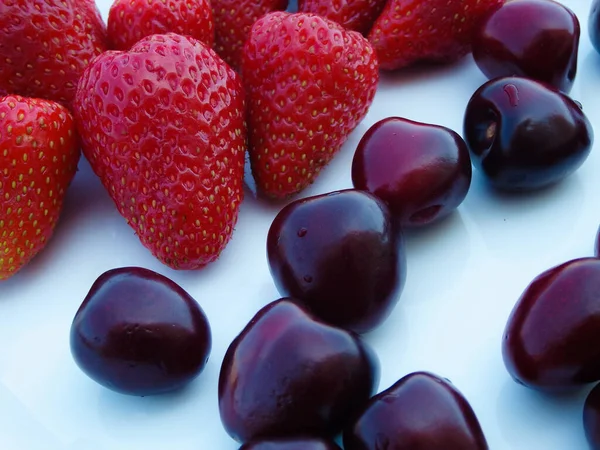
{"points": [[420, 412], [422, 171], [138, 332], [591, 418], [536, 39], [594, 24], [339, 254], [525, 135], [288, 374], [291, 444], [552, 338]]}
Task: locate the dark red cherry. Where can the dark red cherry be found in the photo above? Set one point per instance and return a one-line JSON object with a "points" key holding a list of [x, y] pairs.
{"points": [[591, 418], [525, 135], [339, 254], [291, 444], [288, 374], [420, 412], [139, 333], [536, 39], [422, 171], [552, 338], [594, 24]]}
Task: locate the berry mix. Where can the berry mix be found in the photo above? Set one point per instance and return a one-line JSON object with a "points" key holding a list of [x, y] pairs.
{"points": [[180, 113]]}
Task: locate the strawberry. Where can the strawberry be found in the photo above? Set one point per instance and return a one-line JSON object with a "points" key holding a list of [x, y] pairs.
{"points": [[410, 31], [131, 20], [38, 159], [163, 127], [45, 45], [233, 21], [309, 82], [357, 15]]}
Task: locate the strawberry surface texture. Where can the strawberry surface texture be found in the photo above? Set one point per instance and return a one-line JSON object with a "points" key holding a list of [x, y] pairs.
{"points": [[39, 153], [440, 31], [46, 45], [309, 82], [163, 127], [131, 20], [233, 22], [357, 15]]}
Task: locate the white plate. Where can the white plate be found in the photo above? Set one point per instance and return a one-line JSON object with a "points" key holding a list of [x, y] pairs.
{"points": [[464, 277]]}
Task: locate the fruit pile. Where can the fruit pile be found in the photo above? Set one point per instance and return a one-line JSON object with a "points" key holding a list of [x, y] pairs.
{"points": [[177, 104]]}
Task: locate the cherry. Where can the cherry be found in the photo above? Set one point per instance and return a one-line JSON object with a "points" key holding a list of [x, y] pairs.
{"points": [[594, 24], [422, 171], [288, 374], [552, 338], [139, 333], [339, 254], [525, 135], [591, 418], [291, 444], [536, 39], [420, 412]]}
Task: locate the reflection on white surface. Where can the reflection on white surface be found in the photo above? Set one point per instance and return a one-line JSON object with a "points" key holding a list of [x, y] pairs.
{"points": [[562, 414], [464, 276]]}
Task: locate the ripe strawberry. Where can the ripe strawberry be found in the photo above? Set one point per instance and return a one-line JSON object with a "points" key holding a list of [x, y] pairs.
{"points": [[45, 45], [38, 159], [131, 20], [410, 31], [163, 127], [309, 82], [357, 15], [233, 21]]}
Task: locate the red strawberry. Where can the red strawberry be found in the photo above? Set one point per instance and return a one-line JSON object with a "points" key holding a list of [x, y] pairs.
{"points": [[357, 15], [233, 21], [38, 159], [163, 127], [131, 20], [45, 45], [309, 82], [410, 31]]}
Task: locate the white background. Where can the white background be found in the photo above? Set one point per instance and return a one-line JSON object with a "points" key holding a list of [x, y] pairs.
{"points": [[464, 276]]}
